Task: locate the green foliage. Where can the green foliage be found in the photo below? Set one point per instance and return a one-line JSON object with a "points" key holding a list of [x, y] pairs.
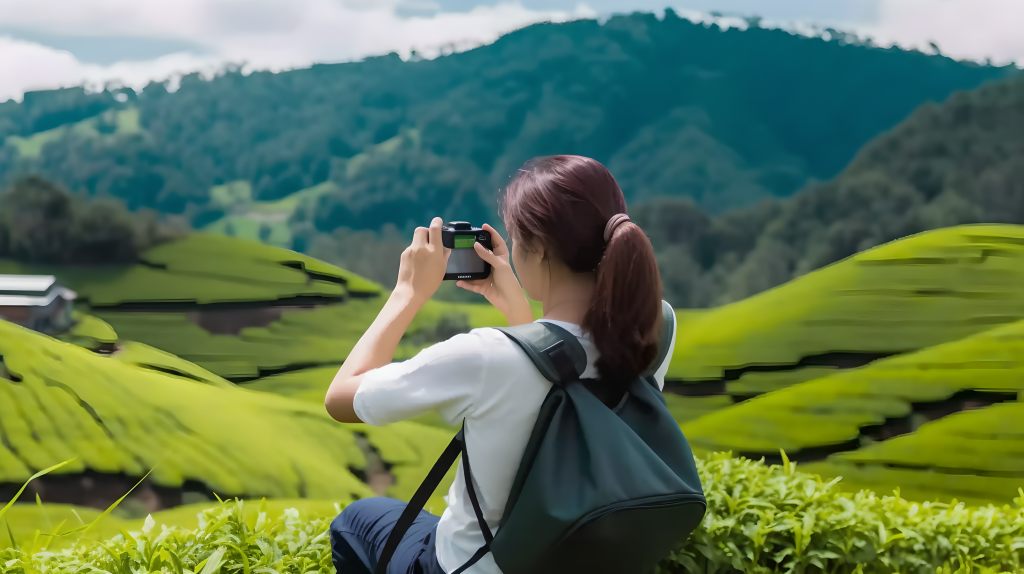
{"points": [[24, 519], [41, 223], [223, 542], [760, 519], [124, 121], [774, 519], [45, 110]]}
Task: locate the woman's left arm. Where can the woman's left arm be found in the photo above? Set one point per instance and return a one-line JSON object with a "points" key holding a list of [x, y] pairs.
{"points": [[420, 274]]}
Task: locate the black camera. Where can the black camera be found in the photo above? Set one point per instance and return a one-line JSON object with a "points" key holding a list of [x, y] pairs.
{"points": [[464, 263]]}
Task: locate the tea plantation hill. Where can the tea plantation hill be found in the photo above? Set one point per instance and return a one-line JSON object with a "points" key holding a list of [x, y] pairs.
{"points": [[139, 409], [241, 309], [937, 453], [907, 295], [59, 401]]}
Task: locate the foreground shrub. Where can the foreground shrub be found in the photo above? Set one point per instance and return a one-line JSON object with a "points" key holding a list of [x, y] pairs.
{"points": [[760, 519], [774, 519]]}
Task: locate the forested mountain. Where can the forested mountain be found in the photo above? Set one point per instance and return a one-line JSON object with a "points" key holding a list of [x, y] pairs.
{"points": [[956, 163], [674, 108]]}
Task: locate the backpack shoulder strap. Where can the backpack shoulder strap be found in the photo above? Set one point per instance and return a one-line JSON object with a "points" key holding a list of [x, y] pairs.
{"points": [[419, 499], [556, 352], [668, 328]]}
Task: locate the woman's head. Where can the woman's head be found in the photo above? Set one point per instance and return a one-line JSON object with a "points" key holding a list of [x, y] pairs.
{"points": [[557, 210]]}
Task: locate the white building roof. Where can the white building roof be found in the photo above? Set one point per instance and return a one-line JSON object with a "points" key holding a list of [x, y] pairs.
{"points": [[24, 284], [31, 291]]}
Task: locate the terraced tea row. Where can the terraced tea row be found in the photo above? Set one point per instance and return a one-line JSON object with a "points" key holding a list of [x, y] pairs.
{"points": [[849, 415], [299, 338]]}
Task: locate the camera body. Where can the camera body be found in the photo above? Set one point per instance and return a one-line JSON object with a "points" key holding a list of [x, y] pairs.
{"points": [[464, 263]]}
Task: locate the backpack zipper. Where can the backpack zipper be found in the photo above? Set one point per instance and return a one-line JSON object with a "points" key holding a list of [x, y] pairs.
{"points": [[649, 502]]}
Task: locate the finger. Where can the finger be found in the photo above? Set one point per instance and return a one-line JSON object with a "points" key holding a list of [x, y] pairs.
{"points": [[470, 286], [419, 237], [497, 243], [435, 232], [485, 254]]}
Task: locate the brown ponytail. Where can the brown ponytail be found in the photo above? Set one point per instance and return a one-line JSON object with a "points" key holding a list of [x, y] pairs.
{"points": [[567, 202]]}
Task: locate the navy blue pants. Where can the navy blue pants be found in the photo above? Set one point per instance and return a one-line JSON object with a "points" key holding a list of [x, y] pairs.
{"points": [[359, 533]]}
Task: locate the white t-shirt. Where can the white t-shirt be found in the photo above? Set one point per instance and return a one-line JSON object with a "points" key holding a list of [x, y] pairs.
{"points": [[486, 378]]}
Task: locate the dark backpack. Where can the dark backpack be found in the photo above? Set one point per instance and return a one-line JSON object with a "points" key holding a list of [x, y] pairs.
{"points": [[598, 489]]}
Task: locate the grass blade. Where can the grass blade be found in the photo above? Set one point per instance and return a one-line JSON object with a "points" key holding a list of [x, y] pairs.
{"points": [[118, 501], [4, 510]]}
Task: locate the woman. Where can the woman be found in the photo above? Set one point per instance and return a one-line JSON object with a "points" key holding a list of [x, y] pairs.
{"points": [[575, 251]]}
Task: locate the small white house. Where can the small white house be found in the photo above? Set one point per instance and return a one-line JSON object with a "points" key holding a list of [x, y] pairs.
{"points": [[36, 302]]}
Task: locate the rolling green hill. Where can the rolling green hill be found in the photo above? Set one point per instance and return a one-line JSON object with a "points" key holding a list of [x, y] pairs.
{"points": [[62, 402], [913, 293], [901, 297], [140, 409]]}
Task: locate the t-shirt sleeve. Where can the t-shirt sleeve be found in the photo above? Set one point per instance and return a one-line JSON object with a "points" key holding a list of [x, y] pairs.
{"points": [[443, 378], [659, 375]]}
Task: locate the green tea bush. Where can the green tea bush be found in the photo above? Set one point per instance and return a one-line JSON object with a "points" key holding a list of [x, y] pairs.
{"points": [[760, 519], [223, 542], [763, 519]]}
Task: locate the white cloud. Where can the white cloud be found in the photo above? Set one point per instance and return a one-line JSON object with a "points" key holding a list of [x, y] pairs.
{"points": [[963, 29], [27, 66], [263, 34]]}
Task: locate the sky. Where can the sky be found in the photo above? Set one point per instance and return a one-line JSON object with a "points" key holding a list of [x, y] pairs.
{"points": [[46, 44]]}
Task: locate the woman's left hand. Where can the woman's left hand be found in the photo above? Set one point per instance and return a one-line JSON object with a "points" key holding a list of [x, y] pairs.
{"points": [[423, 263]]}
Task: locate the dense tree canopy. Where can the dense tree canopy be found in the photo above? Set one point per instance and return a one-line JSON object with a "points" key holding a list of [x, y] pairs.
{"points": [[674, 108], [43, 223], [957, 163]]}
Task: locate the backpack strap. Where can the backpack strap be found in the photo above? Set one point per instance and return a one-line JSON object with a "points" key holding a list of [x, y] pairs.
{"points": [[668, 328], [419, 500], [556, 352]]}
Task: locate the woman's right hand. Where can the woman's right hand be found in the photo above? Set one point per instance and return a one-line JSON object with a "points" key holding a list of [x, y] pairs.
{"points": [[502, 288]]}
